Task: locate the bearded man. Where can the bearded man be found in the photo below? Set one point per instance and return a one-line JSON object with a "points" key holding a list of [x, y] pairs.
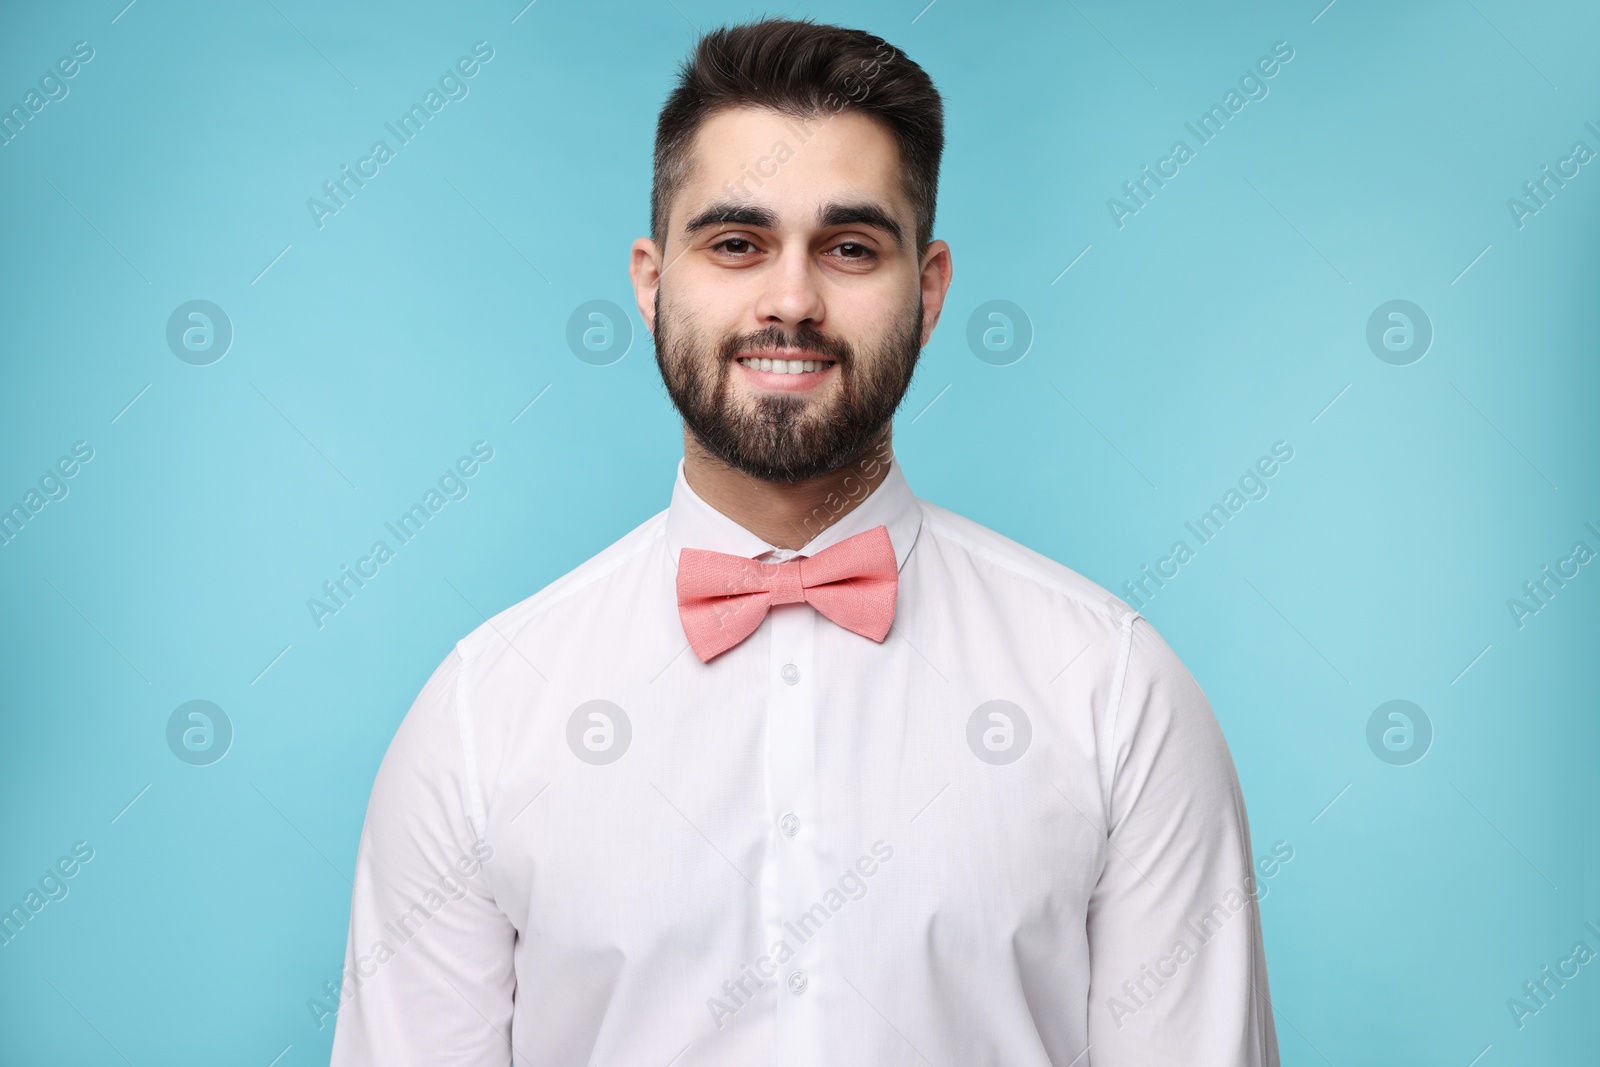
{"points": [[805, 770]]}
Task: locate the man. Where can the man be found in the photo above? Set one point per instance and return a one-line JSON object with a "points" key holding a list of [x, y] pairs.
{"points": [[805, 770]]}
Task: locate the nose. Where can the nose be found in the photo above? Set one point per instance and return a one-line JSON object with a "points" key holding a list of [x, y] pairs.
{"points": [[790, 293]]}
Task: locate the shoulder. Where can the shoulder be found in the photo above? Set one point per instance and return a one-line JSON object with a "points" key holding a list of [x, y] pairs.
{"points": [[592, 577], [997, 557]]}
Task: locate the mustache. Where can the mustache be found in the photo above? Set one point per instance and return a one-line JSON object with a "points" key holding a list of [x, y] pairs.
{"points": [[806, 340]]}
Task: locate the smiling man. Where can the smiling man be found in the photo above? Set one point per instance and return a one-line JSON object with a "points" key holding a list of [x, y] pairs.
{"points": [[804, 769]]}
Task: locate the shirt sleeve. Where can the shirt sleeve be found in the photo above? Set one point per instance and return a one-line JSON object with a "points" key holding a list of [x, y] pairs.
{"points": [[1177, 967], [429, 975]]}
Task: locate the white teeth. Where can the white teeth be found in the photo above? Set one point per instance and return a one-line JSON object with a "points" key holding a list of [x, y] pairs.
{"points": [[785, 366]]}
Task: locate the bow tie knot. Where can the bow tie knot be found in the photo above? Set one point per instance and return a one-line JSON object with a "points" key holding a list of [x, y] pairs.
{"points": [[786, 585], [722, 598]]}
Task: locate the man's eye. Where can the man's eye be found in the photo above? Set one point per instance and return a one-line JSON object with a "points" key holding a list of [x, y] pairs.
{"points": [[740, 246]]}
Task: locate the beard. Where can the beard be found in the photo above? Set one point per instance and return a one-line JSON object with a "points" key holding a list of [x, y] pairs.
{"points": [[776, 436]]}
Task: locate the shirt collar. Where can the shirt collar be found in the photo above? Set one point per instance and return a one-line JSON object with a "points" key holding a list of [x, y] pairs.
{"points": [[693, 523]]}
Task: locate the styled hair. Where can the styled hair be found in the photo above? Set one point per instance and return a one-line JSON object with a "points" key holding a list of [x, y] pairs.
{"points": [[802, 69]]}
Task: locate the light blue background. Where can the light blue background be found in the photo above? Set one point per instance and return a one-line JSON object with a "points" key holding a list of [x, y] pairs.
{"points": [[1226, 315]]}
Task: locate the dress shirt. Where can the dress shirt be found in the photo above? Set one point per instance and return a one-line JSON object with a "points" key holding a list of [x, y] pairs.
{"points": [[1010, 834]]}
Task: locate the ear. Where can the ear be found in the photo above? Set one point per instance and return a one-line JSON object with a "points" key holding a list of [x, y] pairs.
{"points": [[644, 267], [937, 271]]}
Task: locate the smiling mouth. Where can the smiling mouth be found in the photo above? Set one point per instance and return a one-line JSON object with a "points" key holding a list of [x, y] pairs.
{"points": [[785, 366]]}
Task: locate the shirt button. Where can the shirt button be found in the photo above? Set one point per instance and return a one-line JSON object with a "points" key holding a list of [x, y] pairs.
{"points": [[790, 824], [797, 982], [791, 673]]}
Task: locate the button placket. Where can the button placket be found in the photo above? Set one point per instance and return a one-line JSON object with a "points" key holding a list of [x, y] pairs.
{"points": [[791, 783]]}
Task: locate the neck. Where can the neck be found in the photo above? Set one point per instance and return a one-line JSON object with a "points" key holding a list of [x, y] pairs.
{"points": [[784, 514]]}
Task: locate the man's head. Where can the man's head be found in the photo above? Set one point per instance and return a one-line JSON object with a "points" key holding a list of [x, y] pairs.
{"points": [[796, 169]]}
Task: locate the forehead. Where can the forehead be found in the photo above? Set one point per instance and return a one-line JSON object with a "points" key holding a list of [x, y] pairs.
{"points": [[792, 165]]}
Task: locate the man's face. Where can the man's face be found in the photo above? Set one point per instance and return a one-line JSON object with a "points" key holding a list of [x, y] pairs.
{"points": [[783, 248]]}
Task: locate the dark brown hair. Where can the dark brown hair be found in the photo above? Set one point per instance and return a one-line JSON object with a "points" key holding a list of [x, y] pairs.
{"points": [[802, 69]]}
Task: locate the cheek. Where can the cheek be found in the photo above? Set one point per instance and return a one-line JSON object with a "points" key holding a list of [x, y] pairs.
{"points": [[883, 334], [691, 354], [693, 311]]}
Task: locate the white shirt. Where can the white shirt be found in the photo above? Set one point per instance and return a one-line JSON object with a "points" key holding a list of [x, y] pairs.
{"points": [[814, 850]]}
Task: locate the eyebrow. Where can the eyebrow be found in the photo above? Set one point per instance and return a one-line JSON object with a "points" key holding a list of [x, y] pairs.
{"points": [[836, 213]]}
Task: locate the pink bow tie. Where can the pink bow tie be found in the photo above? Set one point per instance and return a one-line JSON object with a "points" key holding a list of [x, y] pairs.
{"points": [[723, 598]]}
